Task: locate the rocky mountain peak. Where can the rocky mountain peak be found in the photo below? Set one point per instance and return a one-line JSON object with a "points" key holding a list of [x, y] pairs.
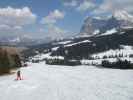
{"points": [[119, 19]]}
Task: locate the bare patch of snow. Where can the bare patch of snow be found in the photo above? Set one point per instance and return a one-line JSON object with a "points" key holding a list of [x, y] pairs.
{"points": [[82, 35], [45, 56], [96, 32], [85, 41], [64, 42], [109, 32], [55, 48]]}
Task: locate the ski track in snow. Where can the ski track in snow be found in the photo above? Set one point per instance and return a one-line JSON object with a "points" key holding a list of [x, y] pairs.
{"points": [[45, 82]]}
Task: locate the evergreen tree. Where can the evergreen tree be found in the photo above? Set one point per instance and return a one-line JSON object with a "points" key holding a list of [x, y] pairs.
{"points": [[4, 62]]}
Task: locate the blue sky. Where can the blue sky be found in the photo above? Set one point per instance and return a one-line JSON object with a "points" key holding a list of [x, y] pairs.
{"points": [[53, 18]]}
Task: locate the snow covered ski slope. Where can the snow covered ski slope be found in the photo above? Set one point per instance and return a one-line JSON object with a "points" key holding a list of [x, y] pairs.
{"points": [[45, 82]]}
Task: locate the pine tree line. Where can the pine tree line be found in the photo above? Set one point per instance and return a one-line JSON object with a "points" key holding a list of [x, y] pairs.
{"points": [[8, 61]]}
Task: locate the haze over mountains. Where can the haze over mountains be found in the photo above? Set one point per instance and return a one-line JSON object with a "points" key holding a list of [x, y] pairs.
{"points": [[98, 35], [23, 40]]}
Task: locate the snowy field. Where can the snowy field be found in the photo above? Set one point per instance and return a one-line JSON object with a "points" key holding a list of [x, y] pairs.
{"points": [[45, 82]]}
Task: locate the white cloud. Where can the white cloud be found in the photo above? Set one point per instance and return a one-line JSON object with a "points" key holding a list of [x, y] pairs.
{"points": [[53, 31], [6, 30], [16, 17], [51, 28], [17, 27], [80, 5], [9, 28], [111, 6], [13, 20], [106, 6], [86, 5], [4, 27], [53, 17], [72, 3]]}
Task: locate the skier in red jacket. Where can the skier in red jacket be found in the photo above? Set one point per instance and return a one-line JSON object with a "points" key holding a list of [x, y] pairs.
{"points": [[19, 75]]}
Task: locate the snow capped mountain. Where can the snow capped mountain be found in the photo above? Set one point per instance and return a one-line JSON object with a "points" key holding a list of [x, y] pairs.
{"points": [[101, 36], [119, 19], [91, 25], [125, 19], [85, 47], [123, 15]]}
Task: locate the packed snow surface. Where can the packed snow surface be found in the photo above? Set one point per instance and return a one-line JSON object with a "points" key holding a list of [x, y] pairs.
{"points": [[45, 82]]}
